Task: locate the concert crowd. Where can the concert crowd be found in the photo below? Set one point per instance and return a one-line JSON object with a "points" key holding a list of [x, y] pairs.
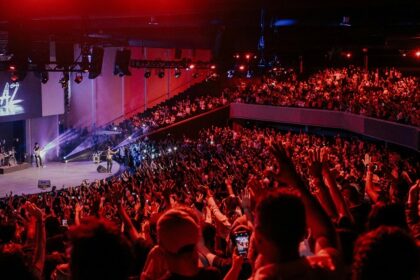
{"points": [[254, 203], [384, 94]]}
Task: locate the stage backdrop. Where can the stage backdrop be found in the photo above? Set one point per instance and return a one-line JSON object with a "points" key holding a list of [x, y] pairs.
{"points": [[109, 97], [20, 100]]}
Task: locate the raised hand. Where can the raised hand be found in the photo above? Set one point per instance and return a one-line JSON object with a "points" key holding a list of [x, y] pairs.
{"points": [[33, 210], [246, 199], [199, 197], [367, 160], [315, 164], [287, 172]]}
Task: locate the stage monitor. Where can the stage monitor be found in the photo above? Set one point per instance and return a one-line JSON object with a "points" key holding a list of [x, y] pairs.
{"points": [[44, 184], [20, 100]]}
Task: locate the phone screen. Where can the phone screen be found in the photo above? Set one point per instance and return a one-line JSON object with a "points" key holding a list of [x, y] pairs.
{"points": [[242, 243]]}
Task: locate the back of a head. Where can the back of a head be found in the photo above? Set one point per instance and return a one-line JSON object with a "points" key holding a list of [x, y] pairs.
{"points": [[99, 251], [386, 253], [176, 229], [13, 264], [383, 214], [280, 217]]}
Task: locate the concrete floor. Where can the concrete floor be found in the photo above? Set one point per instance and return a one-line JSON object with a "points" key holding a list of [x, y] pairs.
{"points": [[61, 175]]}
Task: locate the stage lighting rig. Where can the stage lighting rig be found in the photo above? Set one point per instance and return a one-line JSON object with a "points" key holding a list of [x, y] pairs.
{"points": [[147, 74], [177, 73], [44, 77], [64, 81], [78, 79]]}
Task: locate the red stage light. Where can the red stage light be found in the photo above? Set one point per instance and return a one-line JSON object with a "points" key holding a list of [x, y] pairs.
{"points": [[192, 66], [237, 56], [418, 54], [348, 55], [12, 68], [213, 67], [14, 78], [241, 67], [248, 56]]}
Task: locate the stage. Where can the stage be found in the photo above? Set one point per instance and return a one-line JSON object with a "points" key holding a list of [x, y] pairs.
{"points": [[61, 175]]}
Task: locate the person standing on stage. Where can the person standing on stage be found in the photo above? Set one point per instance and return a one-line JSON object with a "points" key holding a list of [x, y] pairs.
{"points": [[109, 154], [37, 154]]}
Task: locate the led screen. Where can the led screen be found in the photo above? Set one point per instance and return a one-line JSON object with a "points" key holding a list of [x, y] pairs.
{"points": [[19, 100]]}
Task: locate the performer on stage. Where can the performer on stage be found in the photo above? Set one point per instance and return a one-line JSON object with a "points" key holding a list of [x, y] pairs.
{"points": [[109, 154], [37, 154]]}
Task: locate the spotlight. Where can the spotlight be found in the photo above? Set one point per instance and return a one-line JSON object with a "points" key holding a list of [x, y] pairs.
{"points": [[64, 80], [242, 67], [14, 77], [129, 137], [12, 67], [115, 128], [404, 54], [147, 74], [418, 54], [213, 67], [177, 73], [84, 65], [161, 73], [248, 56], [44, 77], [191, 66], [78, 79], [348, 55], [237, 56]]}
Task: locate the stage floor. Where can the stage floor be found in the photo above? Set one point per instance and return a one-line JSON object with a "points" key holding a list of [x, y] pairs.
{"points": [[61, 175]]}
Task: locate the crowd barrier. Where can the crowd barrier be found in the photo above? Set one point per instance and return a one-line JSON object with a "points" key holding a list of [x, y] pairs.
{"points": [[392, 132]]}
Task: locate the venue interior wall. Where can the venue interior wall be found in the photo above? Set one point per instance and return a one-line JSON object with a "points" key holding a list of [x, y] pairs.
{"points": [[111, 98]]}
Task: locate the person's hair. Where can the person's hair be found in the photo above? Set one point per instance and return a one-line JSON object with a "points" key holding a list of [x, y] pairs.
{"points": [[386, 253], [13, 265], [209, 235], [383, 214], [7, 231], [99, 251], [281, 218]]}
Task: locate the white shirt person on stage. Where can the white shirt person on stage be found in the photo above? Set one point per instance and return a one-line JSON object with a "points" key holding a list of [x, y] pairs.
{"points": [[37, 155], [109, 154]]}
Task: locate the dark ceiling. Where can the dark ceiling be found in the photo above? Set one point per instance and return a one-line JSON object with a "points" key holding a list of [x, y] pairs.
{"points": [[223, 25]]}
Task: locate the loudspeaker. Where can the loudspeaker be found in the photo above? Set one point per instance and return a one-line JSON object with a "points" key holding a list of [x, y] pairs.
{"points": [[178, 53], [96, 62], [122, 61], [44, 184], [101, 169]]}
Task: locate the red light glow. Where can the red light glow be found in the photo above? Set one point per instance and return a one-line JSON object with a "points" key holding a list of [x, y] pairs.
{"points": [[418, 54], [248, 56], [348, 55], [242, 67], [213, 67], [192, 66]]}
